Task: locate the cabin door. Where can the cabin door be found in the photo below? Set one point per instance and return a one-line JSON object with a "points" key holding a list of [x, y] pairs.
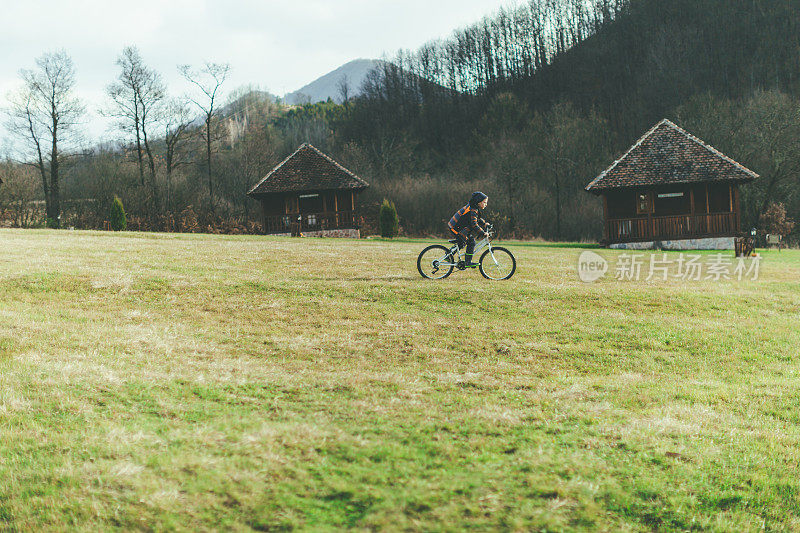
{"points": [[311, 210]]}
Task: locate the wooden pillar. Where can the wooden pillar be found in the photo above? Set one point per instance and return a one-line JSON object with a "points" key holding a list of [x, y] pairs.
{"points": [[730, 196], [605, 218], [264, 216], [336, 207], [730, 222], [693, 218], [708, 209]]}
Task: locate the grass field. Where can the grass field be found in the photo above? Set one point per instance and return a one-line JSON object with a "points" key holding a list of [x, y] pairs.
{"points": [[174, 382]]}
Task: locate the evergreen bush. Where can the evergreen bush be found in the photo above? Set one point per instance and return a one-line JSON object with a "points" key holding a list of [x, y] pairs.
{"points": [[116, 216], [388, 221]]}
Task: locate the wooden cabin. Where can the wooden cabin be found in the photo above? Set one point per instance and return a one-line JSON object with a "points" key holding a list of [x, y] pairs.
{"points": [[309, 193], [671, 186]]}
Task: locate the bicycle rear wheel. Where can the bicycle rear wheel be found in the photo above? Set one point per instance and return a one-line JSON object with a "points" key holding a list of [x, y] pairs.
{"points": [[498, 264], [429, 262]]}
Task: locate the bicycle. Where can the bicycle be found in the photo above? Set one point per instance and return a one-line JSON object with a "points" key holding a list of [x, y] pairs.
{"points": [[438, 262]]}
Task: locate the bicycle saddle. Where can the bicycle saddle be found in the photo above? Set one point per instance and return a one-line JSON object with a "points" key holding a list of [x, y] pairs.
{"points": [[453, 241]]}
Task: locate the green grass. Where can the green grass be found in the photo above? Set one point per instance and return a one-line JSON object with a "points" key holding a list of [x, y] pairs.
{"points": [[175, 382]]}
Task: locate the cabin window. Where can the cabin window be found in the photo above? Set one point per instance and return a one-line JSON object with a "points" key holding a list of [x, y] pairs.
{"points": [[644, 203], [719, 198], [670, 203], [273, 205], [619, 204], [345, 201], [700, 200], [312, 220], [310, 203]]}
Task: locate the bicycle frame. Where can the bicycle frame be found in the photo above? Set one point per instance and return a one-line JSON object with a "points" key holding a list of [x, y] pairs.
{"points": [[455, 252]]}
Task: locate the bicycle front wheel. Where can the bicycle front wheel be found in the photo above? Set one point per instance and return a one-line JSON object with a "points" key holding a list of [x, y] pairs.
{"points": [[434, 262], [498, 264]]}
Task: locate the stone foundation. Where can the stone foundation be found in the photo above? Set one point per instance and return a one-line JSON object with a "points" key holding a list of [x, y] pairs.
{"points": [[633, 246], [334, 233], [712, 243], [326, 233]]}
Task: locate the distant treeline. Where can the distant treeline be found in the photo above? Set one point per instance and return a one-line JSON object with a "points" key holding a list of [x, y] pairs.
{"points": [[527, 105]]}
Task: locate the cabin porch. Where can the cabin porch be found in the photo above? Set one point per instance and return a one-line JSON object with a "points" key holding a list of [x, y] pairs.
{"points": [[296, 223], [313, 211], [674, 213]]}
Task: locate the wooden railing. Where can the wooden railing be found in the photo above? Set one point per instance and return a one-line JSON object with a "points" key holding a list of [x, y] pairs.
{"points": [[297, 223], [671, 227]]}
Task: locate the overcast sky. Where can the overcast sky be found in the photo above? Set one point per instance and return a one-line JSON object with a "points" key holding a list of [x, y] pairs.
{"points": [[277, 45]]}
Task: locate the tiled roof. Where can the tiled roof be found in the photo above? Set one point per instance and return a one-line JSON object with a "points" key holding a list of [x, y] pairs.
{"points": [[307, 169], [668, 155]]}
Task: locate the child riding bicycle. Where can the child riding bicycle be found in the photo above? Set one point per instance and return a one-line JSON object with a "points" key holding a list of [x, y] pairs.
{"points": [[467, 223], [496, 263]]}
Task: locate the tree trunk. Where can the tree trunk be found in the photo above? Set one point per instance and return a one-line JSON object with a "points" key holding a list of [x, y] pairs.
{"points": [[55, 200], [139, 151], [208, 162], [168, 168], [152, 167]]}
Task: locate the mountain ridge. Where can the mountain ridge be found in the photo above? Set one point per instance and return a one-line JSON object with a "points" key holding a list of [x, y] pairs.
{"points": [[330, 85]]}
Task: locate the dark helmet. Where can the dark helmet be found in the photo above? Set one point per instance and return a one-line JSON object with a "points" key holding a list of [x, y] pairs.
{"points": [[477, 197]]}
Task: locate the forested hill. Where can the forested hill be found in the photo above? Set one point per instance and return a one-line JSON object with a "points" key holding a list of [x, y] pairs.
{"points": [[543, 96], [656, 55]]}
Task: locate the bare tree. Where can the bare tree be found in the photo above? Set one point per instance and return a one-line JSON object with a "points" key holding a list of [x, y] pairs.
{"points": [[137, 97], [343, 86], [208, 79], [176, 120], [569, 145], [44, 114]]}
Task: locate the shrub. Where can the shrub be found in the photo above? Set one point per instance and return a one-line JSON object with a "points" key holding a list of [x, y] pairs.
{"points": [[116, 216], [774, 221], [387, 219], [188, 221]]}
